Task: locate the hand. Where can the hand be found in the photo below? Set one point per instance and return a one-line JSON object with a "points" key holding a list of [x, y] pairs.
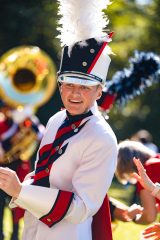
{"points": [[9, 182], [142, 177], [127, 214], [152, 231], [134, 211]]}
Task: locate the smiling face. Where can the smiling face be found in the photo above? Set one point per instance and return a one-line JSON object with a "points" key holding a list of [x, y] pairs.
{"points": [[78, 99]]}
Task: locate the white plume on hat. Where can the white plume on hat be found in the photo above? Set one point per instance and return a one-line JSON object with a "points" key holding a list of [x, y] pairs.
{"points": [[81, 20]]}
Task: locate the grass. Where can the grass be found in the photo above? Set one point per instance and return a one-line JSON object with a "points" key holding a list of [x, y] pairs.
{"points": [[125, 230], [7, 225]]}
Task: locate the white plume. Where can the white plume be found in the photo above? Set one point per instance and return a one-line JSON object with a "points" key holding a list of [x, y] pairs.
{"points": [[81, 20]]}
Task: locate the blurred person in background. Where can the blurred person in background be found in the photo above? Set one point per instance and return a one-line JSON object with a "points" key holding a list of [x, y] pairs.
{"points": [[127, 150], [18, 140], [122, 212], [145, 137], [153, 231]]}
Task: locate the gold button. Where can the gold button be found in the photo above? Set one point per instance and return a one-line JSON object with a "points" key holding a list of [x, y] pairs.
{"points": [[92, 50], [47, 170], [48, 220], [84, 64], [73, 126], [60, 151]]}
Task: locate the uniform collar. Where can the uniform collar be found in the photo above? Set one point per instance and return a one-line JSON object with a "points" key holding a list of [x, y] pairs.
{"points": [[79, 117], [93, 111]]}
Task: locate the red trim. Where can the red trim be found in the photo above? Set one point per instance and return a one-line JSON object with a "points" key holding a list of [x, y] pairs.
{"points": [[97, 57], [101, 225], [59, 210], [60, 132], [44, 162], [42, 174], [99, 54], [48, 147], [111, 34], [45, 148], [67, 129], [107, 101]]}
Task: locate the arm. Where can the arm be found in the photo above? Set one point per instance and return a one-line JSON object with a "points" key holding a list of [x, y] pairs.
{"points": [[145, 181], [90, 183], [124, 213], [147, 200], [149, 208], [128, 214]]}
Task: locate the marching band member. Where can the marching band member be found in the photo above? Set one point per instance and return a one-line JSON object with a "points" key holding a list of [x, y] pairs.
{"points": [[65, 197]]}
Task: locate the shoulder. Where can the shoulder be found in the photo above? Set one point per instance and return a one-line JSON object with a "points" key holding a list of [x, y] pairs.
{"points": [[152, 162], [56, 117], [152, 167], [100, 130]]}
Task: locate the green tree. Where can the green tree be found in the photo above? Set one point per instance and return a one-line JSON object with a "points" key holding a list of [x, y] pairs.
{"points": [[138, 28], [31, 23]]}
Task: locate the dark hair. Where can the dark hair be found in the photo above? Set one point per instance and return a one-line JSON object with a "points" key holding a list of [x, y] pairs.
{"points": [[127, 150]]}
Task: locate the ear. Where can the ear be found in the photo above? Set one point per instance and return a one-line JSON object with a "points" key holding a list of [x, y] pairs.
{"points": [[99, 93], [60, 88]]}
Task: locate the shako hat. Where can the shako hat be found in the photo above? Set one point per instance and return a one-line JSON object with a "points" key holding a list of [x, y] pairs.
{"points": [[85, 55]]}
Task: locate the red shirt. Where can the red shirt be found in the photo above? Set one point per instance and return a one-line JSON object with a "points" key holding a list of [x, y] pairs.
{"points": [[152, 167]]}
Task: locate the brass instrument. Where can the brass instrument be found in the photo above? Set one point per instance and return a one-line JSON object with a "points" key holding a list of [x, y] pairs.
{"points": [[27, 78], [23, 143]]}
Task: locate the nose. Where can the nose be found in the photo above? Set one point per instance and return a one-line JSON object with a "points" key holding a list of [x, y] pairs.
{"points": [[76, 91]]}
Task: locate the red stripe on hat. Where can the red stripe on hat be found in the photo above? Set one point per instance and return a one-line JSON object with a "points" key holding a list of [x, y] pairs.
{"points": [[111, 34], [59, 209], [97, 57]]}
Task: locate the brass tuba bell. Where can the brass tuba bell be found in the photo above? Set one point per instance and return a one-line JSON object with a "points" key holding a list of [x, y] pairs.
{"points": [[27, 81], [27, 77]]}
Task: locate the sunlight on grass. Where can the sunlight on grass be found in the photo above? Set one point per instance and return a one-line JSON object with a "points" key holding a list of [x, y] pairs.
{"points": [[125, 230], [8, 225]]}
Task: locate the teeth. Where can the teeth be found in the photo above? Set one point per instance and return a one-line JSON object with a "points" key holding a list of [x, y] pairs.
{"points": [[75, 101]]}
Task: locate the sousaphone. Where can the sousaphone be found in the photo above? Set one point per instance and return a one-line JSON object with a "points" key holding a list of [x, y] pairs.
{"points": [[27, 77], [27, 81]]}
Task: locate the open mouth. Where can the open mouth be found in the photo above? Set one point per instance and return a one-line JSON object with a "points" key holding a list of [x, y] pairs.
{"points": [[75, 101]]}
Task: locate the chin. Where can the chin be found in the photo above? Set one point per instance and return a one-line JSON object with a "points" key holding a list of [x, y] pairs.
{"points": [[75, 112]]}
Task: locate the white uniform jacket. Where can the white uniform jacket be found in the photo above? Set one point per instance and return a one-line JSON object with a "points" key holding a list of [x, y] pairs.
{"points": [[71, 179]]}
